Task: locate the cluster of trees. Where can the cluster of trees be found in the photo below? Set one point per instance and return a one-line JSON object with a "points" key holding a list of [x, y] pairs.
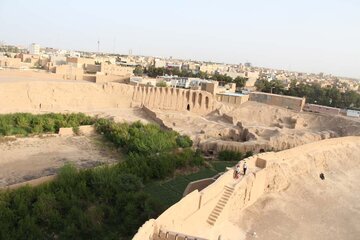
{"points": [[314, 93], [227, 155], [9, 48], [26, 123], [101, 203], [154, 72], [153, 153], [108, 202]]}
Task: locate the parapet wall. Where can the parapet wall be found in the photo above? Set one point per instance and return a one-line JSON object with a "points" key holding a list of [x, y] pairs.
{"points": [[322, 109], [294, 103], [232, 99]]}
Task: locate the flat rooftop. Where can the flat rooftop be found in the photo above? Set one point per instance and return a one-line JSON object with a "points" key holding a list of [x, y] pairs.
{"points": [[232, 94]]}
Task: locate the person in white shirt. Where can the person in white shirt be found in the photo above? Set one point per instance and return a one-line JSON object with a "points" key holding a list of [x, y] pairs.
{"points": [[245, 167]]}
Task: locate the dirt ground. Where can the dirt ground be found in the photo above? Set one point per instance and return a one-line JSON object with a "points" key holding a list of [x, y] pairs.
{"points": [[309, 209], [29, 158]]}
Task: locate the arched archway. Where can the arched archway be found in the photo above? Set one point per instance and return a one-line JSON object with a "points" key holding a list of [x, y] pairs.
{"points": [[207, 102], [193, 99], [188, 107]]}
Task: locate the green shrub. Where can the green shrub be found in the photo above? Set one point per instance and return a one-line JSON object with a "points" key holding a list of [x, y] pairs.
{"points": [[137, 137], [184, 141], [227, 155], [25, 123], [101, 203], [248, 154]]}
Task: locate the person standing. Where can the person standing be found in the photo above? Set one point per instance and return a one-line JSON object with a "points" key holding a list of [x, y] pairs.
{"points": [[237, 171], [245, 167]]}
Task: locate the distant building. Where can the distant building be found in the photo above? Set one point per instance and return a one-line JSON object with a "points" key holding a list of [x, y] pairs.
{"points": [[214, 88], [34, 49], [143, 81], [113, 69], [74, 54], [247, 64], [159, 63], [352, 113]]}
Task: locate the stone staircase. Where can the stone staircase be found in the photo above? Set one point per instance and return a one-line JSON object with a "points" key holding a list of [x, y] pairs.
{"points": [[220, 205]]}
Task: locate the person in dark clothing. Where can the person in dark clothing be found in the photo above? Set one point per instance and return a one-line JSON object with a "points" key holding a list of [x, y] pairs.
{"points": [[245, 167]]}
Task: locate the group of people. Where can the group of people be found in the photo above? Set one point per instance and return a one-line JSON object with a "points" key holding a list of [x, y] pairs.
{"points": [[238, 170]]}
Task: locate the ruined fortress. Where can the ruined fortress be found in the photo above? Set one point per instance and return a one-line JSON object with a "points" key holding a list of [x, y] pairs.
{"points": [[311, 143]]}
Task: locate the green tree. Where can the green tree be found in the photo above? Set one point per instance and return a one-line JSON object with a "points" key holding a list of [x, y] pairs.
{"points": [[161, 84], [138, 71], [240, 82]]}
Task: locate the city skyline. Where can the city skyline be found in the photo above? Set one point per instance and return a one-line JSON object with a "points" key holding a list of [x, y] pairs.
{"points": [[302, 37]]}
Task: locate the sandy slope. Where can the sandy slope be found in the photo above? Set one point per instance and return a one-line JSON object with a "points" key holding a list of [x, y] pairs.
{"points": [[285, 200], [309, 209], [29, 158]]}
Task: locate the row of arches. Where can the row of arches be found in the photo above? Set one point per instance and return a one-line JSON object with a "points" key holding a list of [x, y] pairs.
{"points": [[173, 98]]}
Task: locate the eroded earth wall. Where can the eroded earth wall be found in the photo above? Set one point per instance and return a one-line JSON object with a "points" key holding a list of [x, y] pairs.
{"points": [[294, 103], [56, 96]]}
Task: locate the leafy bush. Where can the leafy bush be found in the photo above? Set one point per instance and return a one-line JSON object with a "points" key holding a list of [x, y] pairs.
{"points": [[25, 123], [160, 166], [137, 137], [184, 141], [248, 154], [227, 155], [102, 203]]}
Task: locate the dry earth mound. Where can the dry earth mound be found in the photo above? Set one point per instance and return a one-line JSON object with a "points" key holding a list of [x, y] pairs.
{"points": [[256, 127], [282, 197]]}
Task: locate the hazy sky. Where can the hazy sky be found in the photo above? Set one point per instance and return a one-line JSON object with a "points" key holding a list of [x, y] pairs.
{"points": [[303, 35]]}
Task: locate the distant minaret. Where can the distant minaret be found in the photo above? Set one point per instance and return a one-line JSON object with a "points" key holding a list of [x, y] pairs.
{"points": [[130, 52], [98, 43]]}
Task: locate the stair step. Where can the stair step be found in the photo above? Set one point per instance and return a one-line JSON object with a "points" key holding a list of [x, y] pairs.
{"points": [[216, 214], [217, 210], [230, 188], [223, 199], [212, 218]]}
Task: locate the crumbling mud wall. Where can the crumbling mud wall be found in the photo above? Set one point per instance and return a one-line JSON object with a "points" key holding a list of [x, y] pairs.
{"points": [[30, 96], [269, 172], [59, 96], [294, 103]]}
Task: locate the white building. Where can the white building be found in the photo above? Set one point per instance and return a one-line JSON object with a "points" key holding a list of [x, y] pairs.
{"points": [[159, 63], [34, 49], [184, 82]]}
